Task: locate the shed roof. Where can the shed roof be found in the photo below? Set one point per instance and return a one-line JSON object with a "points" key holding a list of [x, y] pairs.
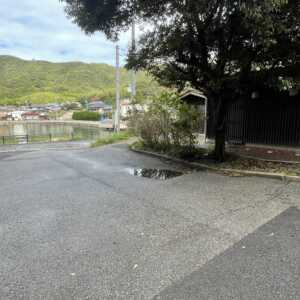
{"points": [[193, 96], [96, 104]]}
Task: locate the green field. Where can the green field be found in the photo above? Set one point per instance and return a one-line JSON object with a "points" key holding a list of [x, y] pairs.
{"points": [[44, 82]]}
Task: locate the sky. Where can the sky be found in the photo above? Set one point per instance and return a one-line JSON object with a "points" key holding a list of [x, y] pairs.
{"points": [[40, 30]]}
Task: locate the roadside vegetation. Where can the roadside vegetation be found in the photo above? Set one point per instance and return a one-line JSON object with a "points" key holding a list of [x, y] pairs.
{"points": [[86, 116], [232, 50], [112, 139], [169, 126]]}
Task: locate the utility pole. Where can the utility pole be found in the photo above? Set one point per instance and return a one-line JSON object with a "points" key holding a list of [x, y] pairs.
{"points": [[117, 110], [133, 73]]}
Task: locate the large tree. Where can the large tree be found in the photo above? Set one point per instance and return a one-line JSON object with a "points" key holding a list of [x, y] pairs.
{"points": [[227, 48]]}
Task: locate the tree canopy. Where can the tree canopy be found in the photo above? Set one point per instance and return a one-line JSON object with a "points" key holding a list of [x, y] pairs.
{"points": [[227, 48]]}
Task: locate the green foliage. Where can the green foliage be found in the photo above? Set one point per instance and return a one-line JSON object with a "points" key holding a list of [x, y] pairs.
{"points": [[44, 82], [86, 116], [209, 43], [168, 125], [186, 126], [112, 138], [227, 48]]}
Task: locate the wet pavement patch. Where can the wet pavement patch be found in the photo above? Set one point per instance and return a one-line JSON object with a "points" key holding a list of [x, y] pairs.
{"points": [[159, 174]]}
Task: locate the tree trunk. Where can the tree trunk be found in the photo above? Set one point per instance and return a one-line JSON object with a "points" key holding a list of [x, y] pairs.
{"points": [[220, 145], [220, 130]]}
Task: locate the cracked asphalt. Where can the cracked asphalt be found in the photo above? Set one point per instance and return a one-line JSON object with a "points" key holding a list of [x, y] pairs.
{"points": [[74, 224]]}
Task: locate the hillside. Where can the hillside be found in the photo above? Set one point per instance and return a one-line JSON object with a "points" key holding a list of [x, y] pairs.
{"points": [[44, 82]]}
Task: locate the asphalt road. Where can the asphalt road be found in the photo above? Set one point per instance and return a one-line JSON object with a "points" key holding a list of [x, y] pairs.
{"points": [[74, 224]]}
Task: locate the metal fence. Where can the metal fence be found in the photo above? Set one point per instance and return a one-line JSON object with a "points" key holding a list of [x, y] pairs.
{"points": [[30, 139], [270, 122]]}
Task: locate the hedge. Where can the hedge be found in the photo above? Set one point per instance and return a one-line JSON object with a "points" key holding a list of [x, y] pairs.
{"points": [[86, 116]]}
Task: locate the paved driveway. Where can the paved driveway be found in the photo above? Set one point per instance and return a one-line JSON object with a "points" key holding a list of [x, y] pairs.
{"points": [[74, 224]]}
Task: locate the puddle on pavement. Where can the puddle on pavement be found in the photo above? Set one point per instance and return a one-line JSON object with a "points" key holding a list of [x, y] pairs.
{"points": [[159, 174]]}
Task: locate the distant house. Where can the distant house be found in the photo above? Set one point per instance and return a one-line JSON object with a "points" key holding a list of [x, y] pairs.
{"points": [[3, 116], [107, 112], [53, 107], [7, 108], [102, 108], [37, 107], [127, 107], [34, 115], [15, 115], [96, 106]]}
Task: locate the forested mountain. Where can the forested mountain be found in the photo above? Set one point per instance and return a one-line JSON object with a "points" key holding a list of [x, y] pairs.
{"points": [[24, 81]]}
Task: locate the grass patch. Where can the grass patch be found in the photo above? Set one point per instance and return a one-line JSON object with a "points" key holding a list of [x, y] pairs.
{"points": [[112, 139], [138, 145], [39, 139]]}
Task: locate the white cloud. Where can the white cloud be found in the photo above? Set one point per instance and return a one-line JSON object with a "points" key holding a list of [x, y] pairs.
{"points": [[33, 29]]}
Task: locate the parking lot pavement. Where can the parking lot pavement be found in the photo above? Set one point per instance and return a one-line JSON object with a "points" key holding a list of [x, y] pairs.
{"points": [[78, 225]]}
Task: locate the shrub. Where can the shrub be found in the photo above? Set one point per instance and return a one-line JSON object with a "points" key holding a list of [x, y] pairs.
{"points": [[86, 116], [169, 125]]}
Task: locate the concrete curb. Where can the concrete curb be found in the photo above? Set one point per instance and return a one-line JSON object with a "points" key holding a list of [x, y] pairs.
{"points": [[280, 176]]}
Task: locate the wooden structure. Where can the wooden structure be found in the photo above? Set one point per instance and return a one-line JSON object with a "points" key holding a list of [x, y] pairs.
{"points": [[197, 98]]}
